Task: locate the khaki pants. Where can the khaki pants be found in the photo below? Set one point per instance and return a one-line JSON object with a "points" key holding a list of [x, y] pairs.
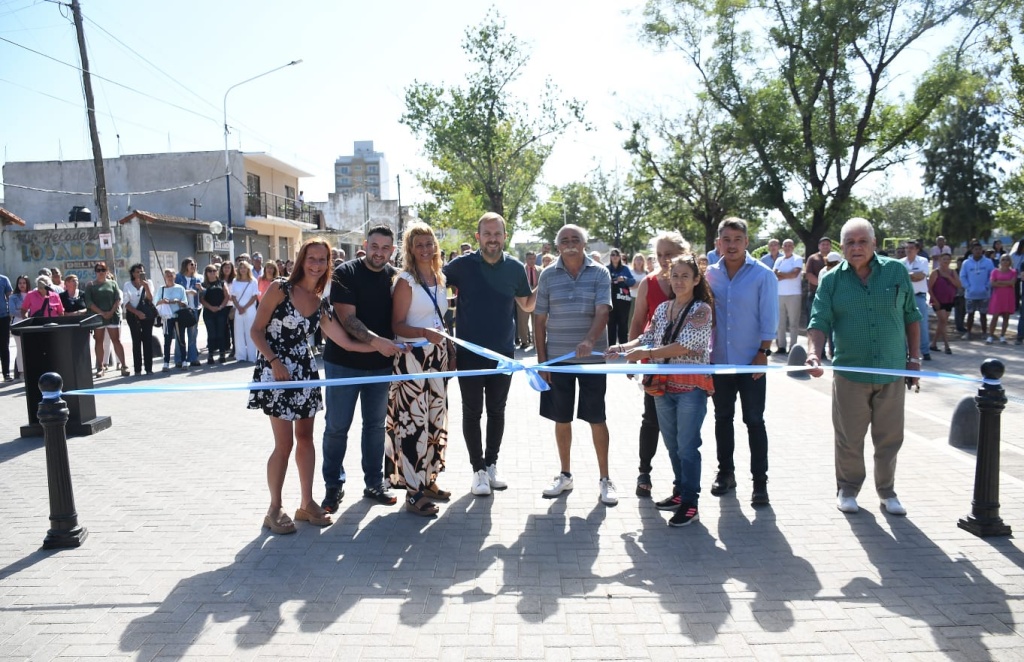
{"points": [[854, 406], [524, 324]]}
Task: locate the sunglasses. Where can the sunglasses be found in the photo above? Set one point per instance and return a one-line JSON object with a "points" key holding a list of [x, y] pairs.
{"points": [[100, 269]]}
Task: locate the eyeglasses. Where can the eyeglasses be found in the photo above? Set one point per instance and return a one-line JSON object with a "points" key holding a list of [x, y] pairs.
{"points": [[100, 269]]}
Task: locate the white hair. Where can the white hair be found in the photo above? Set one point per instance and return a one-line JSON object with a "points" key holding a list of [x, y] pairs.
{"points": [[575, 228], [856, 223]]}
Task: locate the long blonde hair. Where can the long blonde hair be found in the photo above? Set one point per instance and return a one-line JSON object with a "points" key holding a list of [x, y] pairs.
{"points": [[419, 229]]}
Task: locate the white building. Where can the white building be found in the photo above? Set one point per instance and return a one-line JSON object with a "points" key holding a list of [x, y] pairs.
{"points": [[364, 171]]}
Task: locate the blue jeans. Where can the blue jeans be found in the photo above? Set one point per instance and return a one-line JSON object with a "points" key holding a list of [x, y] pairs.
{"points": [[192, 332], [752, 394], [680, 416], [341, 407], [924, 309]]}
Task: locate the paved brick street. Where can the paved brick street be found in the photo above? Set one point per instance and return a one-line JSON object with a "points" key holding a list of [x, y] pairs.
{"points": [[176, 564]]}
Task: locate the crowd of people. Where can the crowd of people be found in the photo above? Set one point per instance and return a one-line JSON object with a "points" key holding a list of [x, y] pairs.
{"points": [[381, 317]]}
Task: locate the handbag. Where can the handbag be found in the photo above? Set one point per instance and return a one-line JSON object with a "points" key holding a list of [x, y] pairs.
{"points": [[186, 317], [654, 384], [146, 307]]}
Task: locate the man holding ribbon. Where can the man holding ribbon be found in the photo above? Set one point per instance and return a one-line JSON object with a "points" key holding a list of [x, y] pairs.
{"points": [[746, 321], [361, 298], [492, 285], [570, 323], [856, 301]]}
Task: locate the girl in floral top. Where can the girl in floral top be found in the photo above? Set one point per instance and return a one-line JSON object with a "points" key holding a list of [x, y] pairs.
{"points": [[680, 333]]}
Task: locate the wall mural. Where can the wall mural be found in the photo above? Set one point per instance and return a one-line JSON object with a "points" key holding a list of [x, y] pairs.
{"points": [[73, 250]]}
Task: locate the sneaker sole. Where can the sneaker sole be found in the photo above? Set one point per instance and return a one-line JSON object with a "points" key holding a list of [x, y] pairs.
{"points": [[610, 503], [480, 493], [679, 525], [555, 495]]}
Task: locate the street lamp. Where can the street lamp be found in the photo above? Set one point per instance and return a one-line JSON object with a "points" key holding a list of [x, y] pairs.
{"points": [[227, 159]]}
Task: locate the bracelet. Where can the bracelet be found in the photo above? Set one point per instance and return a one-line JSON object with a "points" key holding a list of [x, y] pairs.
{"points": [[650, 355], [915, 361], [271, 361]]}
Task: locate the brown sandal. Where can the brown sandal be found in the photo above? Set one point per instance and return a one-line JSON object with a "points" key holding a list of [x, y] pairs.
{"points": [[303, 515], [419, 504], [434, 492], [282, 526]]}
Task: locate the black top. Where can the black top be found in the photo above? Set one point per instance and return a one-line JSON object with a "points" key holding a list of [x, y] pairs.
{"points": [[72, 305], [214, 293], [370, 292], [485, 312]]}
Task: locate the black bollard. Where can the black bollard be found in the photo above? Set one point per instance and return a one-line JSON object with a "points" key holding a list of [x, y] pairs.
{"points": [[53, 416], [984, 519]]}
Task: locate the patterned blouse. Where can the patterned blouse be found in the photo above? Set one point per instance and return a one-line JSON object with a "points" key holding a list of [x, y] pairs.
{"points": [[695, 335]]}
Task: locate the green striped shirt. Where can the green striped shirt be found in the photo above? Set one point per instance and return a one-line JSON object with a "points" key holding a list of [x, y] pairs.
{"points": [[869, 321]]}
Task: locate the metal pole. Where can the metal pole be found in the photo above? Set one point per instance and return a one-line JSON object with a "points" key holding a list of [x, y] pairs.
{"points": [[227, 159], [984, 519], [53, 416]]}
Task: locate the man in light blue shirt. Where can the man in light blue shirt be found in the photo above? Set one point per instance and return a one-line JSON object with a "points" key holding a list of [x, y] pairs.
{"points": [[975, 275], [746, 319]]}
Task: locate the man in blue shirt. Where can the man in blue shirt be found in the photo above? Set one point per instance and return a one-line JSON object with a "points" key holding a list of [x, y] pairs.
{"points": [[5, 328], [975, 274], [491, 285], [746, 317]]}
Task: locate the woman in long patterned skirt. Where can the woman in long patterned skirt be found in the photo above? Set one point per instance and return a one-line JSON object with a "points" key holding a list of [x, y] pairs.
{"points": [[417, 422]]}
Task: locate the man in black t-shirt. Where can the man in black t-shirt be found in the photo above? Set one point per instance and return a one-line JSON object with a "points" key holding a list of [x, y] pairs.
{"points": [[361, 298], [490, 285]]}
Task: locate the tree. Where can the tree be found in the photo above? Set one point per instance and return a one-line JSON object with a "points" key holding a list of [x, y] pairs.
{"points": [[960, 168], [806, 85], [573, 203], [481, 137], [1010, 207], [700, 177], [620, 213]]}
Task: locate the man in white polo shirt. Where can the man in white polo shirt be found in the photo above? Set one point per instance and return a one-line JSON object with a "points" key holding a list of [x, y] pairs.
{"points": [[918, 268], [789, 270]]}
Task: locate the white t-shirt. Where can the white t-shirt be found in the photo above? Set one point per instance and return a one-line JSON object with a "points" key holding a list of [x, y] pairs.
{"points": [[935, 253], [132, 295], [920, 264], [244, 290], [789, 286], [422, 313]]}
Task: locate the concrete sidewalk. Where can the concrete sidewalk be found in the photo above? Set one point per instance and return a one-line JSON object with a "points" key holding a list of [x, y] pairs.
{"points": [[177, 566]]}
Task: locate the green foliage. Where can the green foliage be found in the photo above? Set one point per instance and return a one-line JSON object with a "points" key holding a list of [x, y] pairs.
{"points": [[573, 203], [619, 216], [901, 216], [806, 85], [480, 137], [698, 178], [1010, 207], [960, 159]]}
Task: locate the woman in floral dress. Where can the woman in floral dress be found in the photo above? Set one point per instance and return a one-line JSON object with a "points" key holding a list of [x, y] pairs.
{"points": [[289, 313], [417, 422]]}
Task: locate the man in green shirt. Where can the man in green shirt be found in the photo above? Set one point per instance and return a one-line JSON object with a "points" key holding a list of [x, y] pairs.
{"points": [[868, 303]]}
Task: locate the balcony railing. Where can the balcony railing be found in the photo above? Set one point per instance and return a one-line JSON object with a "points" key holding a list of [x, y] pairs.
{"points": [[271, 204]]}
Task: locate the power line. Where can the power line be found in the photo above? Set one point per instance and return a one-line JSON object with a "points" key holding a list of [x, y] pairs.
{"points": [[113, 82], [161, 190]]}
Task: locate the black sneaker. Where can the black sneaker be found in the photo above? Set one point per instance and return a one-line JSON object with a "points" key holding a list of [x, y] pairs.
{"points": [[671, 503], [333, 498], [724, 481], [381, 495], [760, 495], [685, 515]]}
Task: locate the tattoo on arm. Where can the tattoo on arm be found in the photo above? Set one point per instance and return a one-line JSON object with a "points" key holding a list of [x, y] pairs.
{"points": [[357, 329]]}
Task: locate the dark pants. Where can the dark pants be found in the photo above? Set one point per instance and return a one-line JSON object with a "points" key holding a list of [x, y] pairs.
{"points": [[618, 322], [649, 434], [476, 391], [5, 345], [216, 331], [142, 342], [174, 331], [752, 398]]}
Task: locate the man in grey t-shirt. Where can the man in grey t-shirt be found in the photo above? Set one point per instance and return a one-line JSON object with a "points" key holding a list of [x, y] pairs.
{"points": [[571, 316]]}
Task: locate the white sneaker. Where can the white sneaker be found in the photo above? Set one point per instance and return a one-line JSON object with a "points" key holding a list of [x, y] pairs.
{"points": [[609, 496], [561, 483], [481, 486], [847, 504], [989, 340], [1002, 340], [893, 506], [966, 336], [494, 479]]}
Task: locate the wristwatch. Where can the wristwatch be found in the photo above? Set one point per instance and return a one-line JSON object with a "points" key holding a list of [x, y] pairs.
{"points": [[765, 350]]}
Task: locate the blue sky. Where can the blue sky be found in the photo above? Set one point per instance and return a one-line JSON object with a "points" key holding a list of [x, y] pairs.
{"points": [[357, 60]]}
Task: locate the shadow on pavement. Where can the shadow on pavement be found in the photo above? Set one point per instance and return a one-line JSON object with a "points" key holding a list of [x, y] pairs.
{"points": [[15, 448], [917, 580]]}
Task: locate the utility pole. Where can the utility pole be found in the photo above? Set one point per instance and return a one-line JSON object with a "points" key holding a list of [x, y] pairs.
{"points": [[97, 153], [398, 180]]}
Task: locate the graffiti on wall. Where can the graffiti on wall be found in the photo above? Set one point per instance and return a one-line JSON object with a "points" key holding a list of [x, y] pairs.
{"points": [[73, 250]]}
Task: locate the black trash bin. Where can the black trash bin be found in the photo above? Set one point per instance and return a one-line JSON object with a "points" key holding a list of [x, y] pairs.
{"points": [[61, 345]]}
